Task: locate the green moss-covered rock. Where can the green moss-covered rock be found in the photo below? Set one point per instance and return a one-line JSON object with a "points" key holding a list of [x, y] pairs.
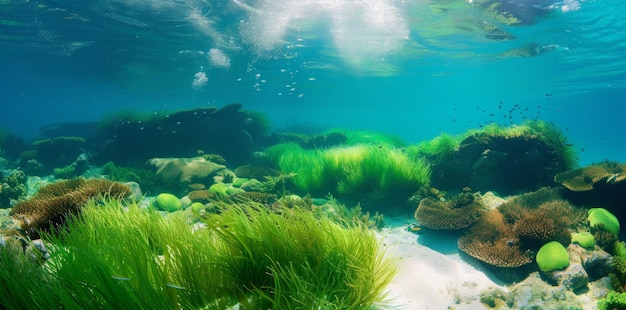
{"points": [[196, 207], [219, 189], [601, 216], [584, 239], [167, 202], [239, 181], [552, 256]]}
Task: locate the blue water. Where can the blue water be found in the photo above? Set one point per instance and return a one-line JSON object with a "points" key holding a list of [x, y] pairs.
{"points": [[410, 68]]}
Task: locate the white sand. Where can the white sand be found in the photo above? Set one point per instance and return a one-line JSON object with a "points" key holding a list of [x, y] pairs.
{"points": [[431, 272]]}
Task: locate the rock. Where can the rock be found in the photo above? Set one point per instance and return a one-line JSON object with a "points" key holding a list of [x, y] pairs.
{"points": [[574, 276], [252, 185], [533, 293], [135, 190], [597, 263], [600, 288], [585, 266], [186, 170]]}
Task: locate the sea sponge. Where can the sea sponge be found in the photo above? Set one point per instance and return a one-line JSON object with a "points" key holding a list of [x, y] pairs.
{"points": [[55, 201], [167, 202], [552, 256], [601, 216]]}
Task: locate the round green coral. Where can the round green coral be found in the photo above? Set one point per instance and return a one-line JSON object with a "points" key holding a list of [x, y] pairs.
{"points": [[584, 239], [601, 216], [552, 256], [167, 202]]}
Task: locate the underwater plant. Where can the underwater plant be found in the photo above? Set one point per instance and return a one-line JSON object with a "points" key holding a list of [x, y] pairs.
{"points": [[290, 258], [440, 148], [115, 256], [355, 137], [382, 173]]}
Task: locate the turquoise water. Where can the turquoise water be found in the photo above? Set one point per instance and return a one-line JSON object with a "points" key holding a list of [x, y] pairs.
{"points": [[411, 68]]}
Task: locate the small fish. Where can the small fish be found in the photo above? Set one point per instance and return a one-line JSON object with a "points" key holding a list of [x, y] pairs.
{"points": [[120, 278], [414, 228], [612, 178]]}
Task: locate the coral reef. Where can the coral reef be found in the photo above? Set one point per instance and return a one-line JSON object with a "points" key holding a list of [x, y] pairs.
{"points": [[492, 241], [54, 202], [12, 188], [510, 235], [507, 160], [601, 184], [587, 178], [459, 212], [542, 216]]}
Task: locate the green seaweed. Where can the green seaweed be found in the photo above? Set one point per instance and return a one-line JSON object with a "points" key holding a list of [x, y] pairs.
{"points": [[385, 173], [114, 256], [441, 147], [355, 137]]}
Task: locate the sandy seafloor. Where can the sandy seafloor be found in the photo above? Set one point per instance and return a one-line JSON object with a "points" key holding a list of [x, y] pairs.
{"points": [[433, 274]]}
